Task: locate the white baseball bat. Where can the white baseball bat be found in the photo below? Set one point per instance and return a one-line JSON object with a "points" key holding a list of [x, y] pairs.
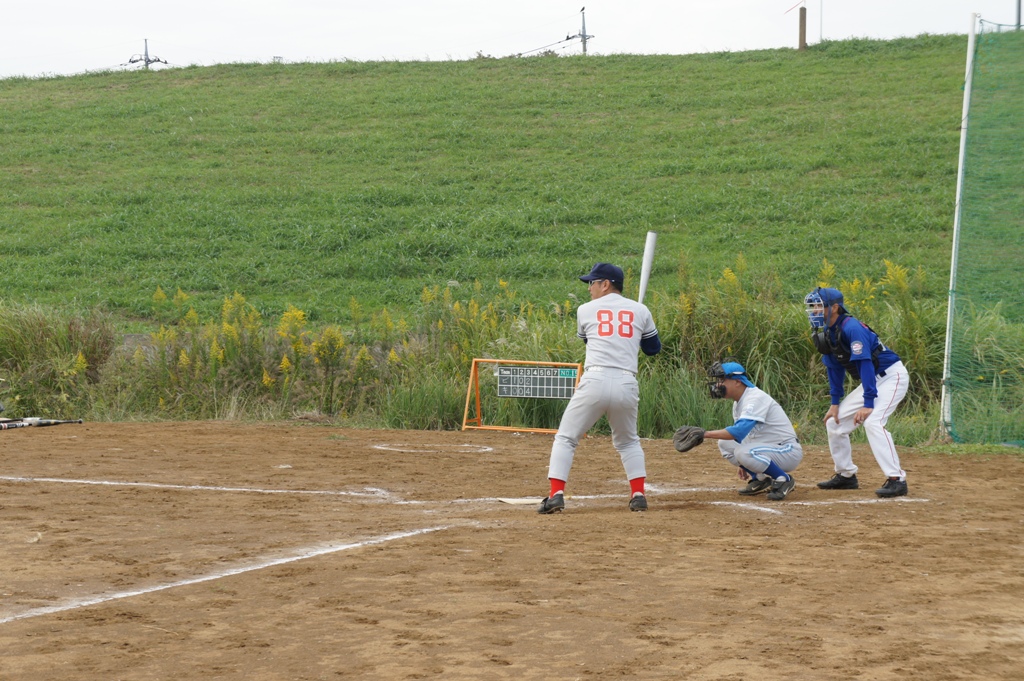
{"points": [[645, 269]]}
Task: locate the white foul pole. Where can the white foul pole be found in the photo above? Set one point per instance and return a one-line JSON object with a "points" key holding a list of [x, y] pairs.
{"points": [[946, 408], [645, 269]]}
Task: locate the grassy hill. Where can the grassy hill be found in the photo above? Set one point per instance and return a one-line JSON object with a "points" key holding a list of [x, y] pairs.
{"points": [[311, 184]]}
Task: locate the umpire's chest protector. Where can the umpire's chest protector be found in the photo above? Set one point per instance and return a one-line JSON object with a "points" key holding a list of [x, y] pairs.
{"points": [[827, 344]]}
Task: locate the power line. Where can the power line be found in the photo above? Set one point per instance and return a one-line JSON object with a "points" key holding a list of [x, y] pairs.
{"points": [[537, 49]]}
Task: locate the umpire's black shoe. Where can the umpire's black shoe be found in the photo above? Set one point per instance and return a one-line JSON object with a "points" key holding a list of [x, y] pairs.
{"points": [[756, 486], [638, 503], [780, 488], [553, 504], [839, 481], [893, 487]]}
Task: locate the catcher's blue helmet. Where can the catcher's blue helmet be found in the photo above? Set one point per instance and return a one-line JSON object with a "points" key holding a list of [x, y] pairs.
{"points": [[818, 301], [719, 371]]}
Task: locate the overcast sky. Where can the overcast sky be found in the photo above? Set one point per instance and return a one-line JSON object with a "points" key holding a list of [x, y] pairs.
{"points": [[72, 36]]}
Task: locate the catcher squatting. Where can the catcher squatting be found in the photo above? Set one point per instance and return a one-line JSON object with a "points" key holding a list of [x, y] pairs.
{"points": [[761, 443]]}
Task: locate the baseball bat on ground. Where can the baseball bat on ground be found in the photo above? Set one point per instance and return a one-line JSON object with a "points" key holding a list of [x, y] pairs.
{"points": [[645, 270], [34, 421]]}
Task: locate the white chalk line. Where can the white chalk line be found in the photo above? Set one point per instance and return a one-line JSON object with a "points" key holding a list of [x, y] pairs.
{"points": [[674, 489], [898, 500], [524, 501], [302, 555], [384, 495], [371, 492], [749, 507], [425, 449]]}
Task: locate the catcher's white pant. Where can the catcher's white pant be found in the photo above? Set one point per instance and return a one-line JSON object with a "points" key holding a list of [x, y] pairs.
{"points": [[892, 388], [602, 392], [757, 456]]}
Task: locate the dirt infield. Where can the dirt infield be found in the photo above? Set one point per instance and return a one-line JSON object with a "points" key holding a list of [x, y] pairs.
{"points": [[234, 551]]}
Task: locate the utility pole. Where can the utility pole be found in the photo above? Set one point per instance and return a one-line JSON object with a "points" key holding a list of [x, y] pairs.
{"points": [[803, 29], [1018, 15], [145, 58], [802, 44], [582, 35]]}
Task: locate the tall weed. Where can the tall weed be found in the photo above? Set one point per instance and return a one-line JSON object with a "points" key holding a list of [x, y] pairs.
{"points": [[413, 373], [50, 359]]}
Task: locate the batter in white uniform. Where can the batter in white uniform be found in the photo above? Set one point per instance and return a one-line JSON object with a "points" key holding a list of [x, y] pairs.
{"points": [[614, 329]]}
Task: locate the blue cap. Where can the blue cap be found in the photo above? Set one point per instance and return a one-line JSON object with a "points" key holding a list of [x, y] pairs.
{"points": [[830, 296], [735, 370], [605, 270]]}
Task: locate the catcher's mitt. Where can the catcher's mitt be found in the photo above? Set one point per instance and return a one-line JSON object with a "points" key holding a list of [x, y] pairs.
{"points": [[688, 437]]}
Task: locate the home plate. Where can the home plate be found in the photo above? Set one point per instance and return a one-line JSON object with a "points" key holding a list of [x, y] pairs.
{"points": [[521, 501]]}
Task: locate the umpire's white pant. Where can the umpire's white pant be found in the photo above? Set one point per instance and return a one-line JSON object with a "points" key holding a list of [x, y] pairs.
{"points": [[602, 392], [892, 388], [757, 456]]}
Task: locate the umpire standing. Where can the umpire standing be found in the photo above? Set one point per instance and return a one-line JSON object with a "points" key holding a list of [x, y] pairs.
{"points": [[849, 346]]}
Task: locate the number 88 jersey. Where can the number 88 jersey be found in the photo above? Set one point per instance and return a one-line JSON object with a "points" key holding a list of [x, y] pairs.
{"points": [[612, 327]]}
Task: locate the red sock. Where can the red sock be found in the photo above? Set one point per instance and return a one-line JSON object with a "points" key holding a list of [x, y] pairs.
{"points": [[636, 485], [557, 486]]}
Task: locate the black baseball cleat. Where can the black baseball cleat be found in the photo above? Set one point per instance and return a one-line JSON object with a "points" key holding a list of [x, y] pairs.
{"points": [[553, 504], [839, 481], [756, 486], [638, 503], [780, 488], [893, 487]]}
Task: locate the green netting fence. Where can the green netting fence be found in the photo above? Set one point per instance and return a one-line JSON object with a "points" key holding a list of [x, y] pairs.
{"points": [[985, 369]]}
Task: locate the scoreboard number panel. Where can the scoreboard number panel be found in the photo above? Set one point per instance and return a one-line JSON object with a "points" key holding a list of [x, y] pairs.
{"points": [[551, 383]]}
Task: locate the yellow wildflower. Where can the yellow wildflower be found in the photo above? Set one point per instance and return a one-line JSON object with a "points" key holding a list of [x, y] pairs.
{"points": [[355, 309], [685, 303], [826, 274], [329, 348], [230, 331], [251, 319], [363, 358], [216, 351], [180, 298], [232, 307], [896, 276], [292, 323], [80, 364]]}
